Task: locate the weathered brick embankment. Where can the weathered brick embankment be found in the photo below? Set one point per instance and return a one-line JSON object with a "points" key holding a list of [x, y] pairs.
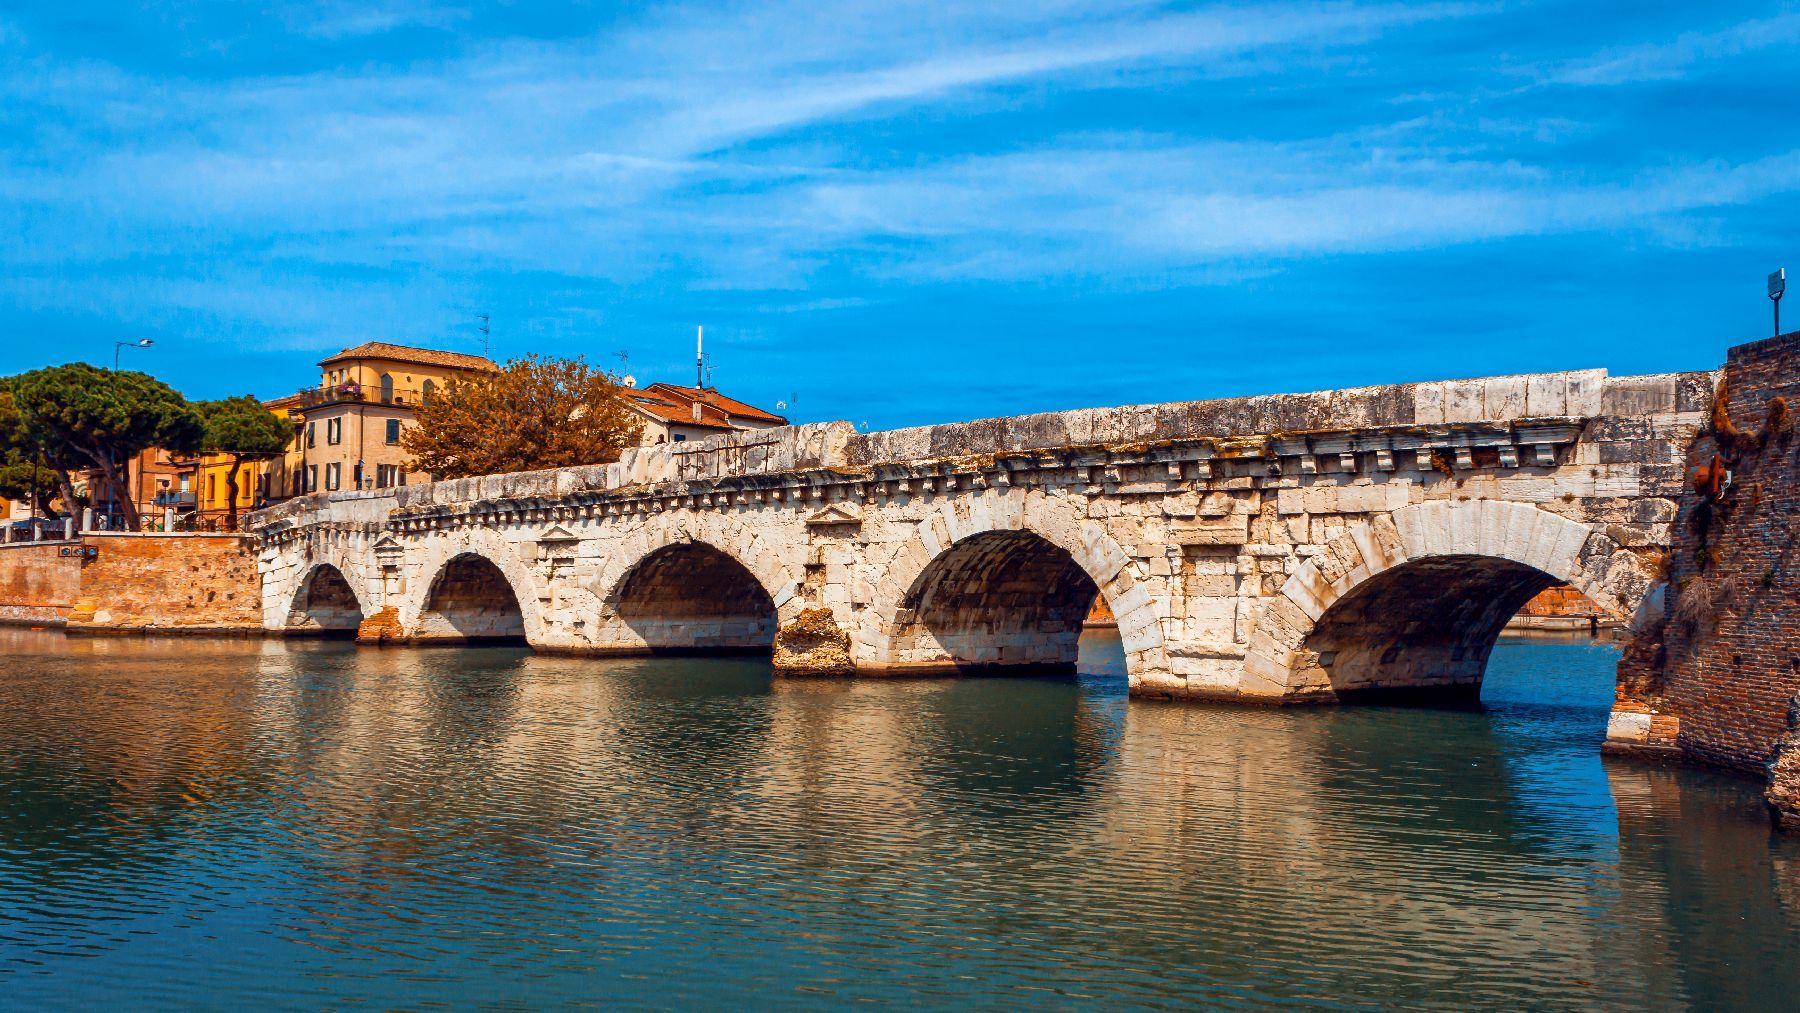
{"points": [[133, 584]]}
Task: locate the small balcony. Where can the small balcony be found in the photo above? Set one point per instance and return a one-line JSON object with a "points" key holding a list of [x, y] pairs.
{"points": [[340, 393]]}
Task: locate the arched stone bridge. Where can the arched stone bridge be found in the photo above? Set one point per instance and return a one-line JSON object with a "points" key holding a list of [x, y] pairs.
{"points": [[1284, 548]]}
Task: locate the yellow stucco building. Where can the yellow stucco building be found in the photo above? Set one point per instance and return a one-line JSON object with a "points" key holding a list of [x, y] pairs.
{"points": [[348, 428]]}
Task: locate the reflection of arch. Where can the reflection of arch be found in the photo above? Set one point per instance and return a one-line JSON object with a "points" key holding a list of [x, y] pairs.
{"points": [[1415, 600], [691, 596], [891, 637], [470, 600], [324, 605]]}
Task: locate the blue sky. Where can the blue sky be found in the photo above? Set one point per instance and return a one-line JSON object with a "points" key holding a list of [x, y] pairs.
{"points": [[904, 213]]}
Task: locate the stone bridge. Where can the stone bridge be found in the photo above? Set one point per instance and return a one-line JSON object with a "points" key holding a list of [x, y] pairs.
{"points": [[1306, 547]]}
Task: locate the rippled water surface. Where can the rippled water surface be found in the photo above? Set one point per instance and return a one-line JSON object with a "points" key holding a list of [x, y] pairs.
{"points": [[223, 823]]}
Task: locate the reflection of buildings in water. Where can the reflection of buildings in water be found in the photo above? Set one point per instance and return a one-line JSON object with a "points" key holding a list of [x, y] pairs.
{"points": [[112, 741]]}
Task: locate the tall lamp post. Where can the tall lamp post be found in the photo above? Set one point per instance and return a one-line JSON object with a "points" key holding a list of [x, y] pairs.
{"points": [[1777, 289], [118, 346]]}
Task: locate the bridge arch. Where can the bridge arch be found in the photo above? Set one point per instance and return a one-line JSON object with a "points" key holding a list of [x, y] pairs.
{"points": [[326, 602], [1411, 603], [473, 588], [692, 583], [1005, 579]]}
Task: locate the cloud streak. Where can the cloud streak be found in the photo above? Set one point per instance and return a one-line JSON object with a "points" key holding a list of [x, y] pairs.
{"points": [[358, 171]]}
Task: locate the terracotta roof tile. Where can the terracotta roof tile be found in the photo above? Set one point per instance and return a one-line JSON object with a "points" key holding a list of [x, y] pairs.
{"points": [[407, 353], [669, 410], [713, 399]]}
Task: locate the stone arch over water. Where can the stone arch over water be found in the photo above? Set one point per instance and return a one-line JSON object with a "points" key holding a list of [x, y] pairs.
{"points": [[1411, 604], [1028, 560], [997, 599], [325, 605], [688, 597], [470, 600]]}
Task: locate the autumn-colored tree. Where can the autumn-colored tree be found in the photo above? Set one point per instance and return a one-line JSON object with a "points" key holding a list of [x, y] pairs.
{"points": [[535, 413], [243, 429]]}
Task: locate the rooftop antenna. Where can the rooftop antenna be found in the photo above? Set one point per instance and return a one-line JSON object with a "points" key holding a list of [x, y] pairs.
{"points": [[625, 377], [483, 317], [700, 356], [782, 406], [1777, 288]]}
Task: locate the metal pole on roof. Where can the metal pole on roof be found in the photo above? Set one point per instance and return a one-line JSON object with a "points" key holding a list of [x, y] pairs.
{"points": [[700, 356]]}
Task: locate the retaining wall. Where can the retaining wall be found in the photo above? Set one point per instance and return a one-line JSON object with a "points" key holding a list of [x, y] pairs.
{"points": [[144, 583]]}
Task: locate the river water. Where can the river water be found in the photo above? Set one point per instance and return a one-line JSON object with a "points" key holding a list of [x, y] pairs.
{"points": [[230, 823]]}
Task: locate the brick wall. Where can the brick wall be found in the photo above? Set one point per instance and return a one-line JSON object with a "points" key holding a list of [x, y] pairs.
{"points": [[136, 583], [38, 584], [1559, 601], [1720, 666]]}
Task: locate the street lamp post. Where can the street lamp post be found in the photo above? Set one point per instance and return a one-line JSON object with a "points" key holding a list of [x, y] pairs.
{"points": [[121, 346]]}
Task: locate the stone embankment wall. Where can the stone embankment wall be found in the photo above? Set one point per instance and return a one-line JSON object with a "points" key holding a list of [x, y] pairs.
{"points": [[38, 584], [1562, 608], [151, 583], [1714, 672]]}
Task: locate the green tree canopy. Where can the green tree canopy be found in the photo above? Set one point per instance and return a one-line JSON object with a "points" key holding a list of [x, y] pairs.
{"points": [[243, 429], [26, 471], [78, 414]]}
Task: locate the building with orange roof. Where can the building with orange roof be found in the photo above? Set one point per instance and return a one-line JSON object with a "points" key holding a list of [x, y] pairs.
{"points": [[348, 427], [673, 414]]}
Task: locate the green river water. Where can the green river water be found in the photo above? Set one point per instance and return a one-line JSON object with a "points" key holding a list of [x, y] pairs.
{"points": [[225, 824]]}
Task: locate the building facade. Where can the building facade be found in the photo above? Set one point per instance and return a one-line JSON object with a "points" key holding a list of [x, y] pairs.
{"points": [[348, 427], [154, 481]]}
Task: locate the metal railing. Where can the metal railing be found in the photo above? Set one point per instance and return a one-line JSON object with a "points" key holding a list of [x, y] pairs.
{"points": [[41, 529], [318, 397]]}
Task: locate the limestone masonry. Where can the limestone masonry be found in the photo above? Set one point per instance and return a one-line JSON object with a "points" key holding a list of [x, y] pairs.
{"points": [[1287, 548]]}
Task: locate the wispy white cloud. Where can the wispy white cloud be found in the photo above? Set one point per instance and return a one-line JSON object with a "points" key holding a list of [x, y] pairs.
{"points": [[1666, 61], [770, 159]]}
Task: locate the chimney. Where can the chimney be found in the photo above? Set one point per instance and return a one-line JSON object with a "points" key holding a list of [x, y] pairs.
{"points": [[696, 411]]}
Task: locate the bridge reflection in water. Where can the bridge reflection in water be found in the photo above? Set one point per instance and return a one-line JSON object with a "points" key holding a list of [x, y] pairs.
{"points": [[306, 823]]}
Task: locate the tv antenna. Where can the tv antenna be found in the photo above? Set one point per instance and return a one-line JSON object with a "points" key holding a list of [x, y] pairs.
{"points": [[793, 399], [485, 343], [625, 377]]}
